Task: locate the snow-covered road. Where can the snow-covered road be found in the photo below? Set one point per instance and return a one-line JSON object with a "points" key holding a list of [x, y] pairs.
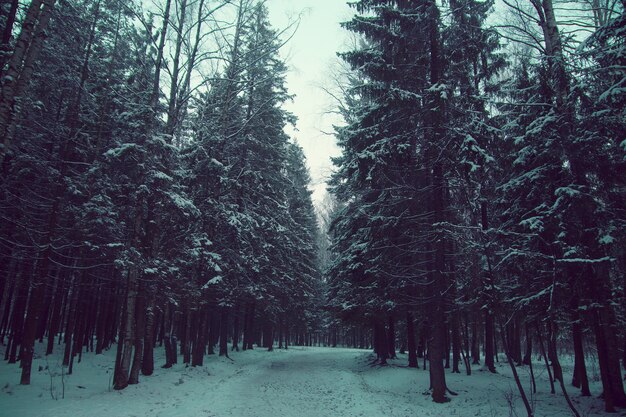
{"points": [[300, 382], [312, 382]]}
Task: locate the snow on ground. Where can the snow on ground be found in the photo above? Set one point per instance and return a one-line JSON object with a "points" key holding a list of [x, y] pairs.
{"points": [[301, 382]]}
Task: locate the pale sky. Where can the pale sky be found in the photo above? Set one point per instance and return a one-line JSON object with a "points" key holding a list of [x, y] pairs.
{"points": [[311, 58]]}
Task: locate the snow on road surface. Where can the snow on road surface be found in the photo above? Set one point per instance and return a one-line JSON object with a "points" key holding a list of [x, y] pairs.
{"points": [[299, 382]]}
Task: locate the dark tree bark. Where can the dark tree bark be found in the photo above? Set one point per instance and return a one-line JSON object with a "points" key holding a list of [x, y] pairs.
{"points": [[147, 363], [129, 335], [475, 350], [545, 356], [17, 314], [391, 337], [520, 388], [120, 378], [70, 321], [213, 332], [456, 342], [421, 345], [268, 335], [513, 339], [489, 341], [140, 332], [75, 340], [168, 338], [381, 345], [186, 342], [435, 131], [579, 379], [108, 319], [287, 335], [199, 347], [556, 366], [447, 344], [5, 308], [528, 354], [38, 287], [249, 334], [410, 331], [223, 332], [236, 331], [171, 122], [607, 358]]}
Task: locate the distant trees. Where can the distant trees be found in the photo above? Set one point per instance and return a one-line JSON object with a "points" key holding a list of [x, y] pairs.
{"points": [[134, 218]]}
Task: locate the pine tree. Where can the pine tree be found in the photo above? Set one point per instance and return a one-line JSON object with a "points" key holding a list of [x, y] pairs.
{"points": [[387, 165]]}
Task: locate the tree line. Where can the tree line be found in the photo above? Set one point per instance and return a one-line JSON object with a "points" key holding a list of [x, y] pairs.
{"points": [[149, 194], [480, 193]]}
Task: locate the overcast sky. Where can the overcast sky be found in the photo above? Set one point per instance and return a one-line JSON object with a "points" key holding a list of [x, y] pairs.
{"points": [[311, 57]]}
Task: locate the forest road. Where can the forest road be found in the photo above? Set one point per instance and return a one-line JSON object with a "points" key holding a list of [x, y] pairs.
{"points": [[303, 382]]}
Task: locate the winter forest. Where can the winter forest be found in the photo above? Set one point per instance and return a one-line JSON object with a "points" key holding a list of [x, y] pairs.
{"points": [[162, 252]]}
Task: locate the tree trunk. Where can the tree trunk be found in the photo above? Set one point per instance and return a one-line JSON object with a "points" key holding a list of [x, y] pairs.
{"points": [[435, 360], [127, 337], [287, 335], [186, 343], [456, 342], [154, 96], [515, 342], [612, 386], [224, 332], [213, 332], [38, 286], [528, 354], [119, 377], [140, 332], [168, 339], [556, 366], [520, 388], [579, 379], [268, 336], [8, 293], [545, 357], [170, 125], [391, 337], [489, 341], [250, 327], [147, 363], [236, 331], [74, 341], [55, 319], [381, 345], [475, 350], [434, 128], [17, 314], [410, 331], [70, 320], [199, 346]]}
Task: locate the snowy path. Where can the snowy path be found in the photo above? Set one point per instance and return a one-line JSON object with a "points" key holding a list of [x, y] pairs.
{"points": [[313, 383], [300, 382]]}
